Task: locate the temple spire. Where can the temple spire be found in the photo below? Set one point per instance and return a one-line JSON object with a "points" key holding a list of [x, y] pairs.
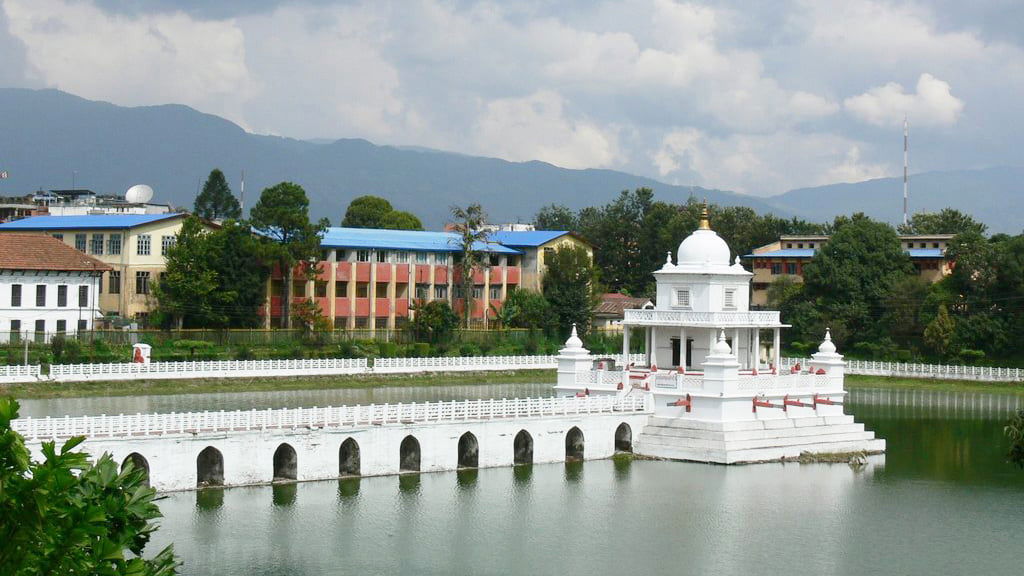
{"points": [[704, 223]]}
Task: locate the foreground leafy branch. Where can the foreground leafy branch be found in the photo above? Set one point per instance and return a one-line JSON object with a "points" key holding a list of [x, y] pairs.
{"points": [[68, 515]]}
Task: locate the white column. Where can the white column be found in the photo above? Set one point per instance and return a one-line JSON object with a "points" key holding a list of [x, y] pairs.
{"points": [[757, 348], [682, 348], [625, 344], [777, 347], [647, 345], [736, 343]]}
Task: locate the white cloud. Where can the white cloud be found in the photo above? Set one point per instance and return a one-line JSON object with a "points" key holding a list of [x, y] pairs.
{"points": [[763, 163], [536, 128], [145, 59], [931, 105]]}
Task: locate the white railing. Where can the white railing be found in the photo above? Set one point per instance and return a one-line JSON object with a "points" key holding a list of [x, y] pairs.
{"points": [[712, 319], [917, 370], [600, 378], [456, 363], [130, 426], [11, 374], [208, 368]]}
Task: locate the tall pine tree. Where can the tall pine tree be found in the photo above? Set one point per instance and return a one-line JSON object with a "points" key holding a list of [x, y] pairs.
{"points": [[216, 202]]}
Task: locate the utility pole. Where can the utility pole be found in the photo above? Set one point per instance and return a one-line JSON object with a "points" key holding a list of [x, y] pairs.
{"points": [[906, 164]]}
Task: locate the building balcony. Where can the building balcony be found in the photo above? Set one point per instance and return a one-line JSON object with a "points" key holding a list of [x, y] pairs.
{"points": [[746, 319], [673, 382]]}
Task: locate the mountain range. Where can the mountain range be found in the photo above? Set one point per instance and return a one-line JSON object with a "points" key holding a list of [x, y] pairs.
{"points": [[51, 139]]}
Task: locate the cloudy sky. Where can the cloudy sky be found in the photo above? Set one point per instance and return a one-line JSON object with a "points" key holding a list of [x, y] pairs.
{"points": [[757, 97]]}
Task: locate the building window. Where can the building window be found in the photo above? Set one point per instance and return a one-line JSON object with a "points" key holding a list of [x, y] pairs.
{"points": [[511, 260], [142, 282], [15, 295], [362, 289], [441, 258], [776, 268], [362, 322], [83, 325], [15, 329], [791, 268], [683, 297], [40, 329], [114, 246], [381, 290], [422, 291], [96, 246], [325, 255], [440, 292], [478, 292], [423, 257], [382, 255], [789, 245], [935, 244], [341, 289], [800, 245], [320, 289], [114, 282], [142, 245], [362, 256], [62, 296], [166, 243], [494, 293], [80, 242], [40, 295], [730, 299], [401, 257], [58, 236], [62, 326], [83, 296], [495, 260], [340, 256], [458, 291]]}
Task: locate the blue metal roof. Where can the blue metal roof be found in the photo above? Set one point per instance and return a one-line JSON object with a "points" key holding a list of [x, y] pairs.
{"points": [[91, 222], [412, 240], [809, 253], [532, 238]]}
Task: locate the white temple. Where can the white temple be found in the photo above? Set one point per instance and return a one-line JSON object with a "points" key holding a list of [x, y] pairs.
{"points": [[716, 389]]}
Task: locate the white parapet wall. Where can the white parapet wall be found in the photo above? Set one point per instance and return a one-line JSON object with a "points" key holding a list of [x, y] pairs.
{"points": [[246, 441]]}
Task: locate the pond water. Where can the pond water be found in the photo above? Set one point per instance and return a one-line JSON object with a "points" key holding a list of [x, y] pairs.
{"points": [[941, 501]]}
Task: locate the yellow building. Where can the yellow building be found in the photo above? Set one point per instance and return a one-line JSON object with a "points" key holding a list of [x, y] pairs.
{"points": [[787, 256], [132, 244], [537, 245]]}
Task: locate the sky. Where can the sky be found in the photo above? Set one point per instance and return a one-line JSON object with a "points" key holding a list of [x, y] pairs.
{"points": [[756, 97]]}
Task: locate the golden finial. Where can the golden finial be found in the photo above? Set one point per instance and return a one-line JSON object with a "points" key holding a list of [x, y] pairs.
{"points": [[704, 224]]}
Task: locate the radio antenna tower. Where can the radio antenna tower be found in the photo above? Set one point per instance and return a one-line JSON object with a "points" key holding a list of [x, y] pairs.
{"points": [[906, 163]]}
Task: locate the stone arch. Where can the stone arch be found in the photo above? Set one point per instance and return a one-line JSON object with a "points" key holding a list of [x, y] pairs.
{"points": [[574, 444], [522, 448], [139, 462], [286, 463], [623, 438], [469, 451], [349, 458], [210, 467], [409, 455]]}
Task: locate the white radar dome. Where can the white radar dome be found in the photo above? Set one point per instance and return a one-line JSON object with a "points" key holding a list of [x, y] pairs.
{"points": [[139, 194]]}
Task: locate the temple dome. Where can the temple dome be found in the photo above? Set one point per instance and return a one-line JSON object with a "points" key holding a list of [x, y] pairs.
{"points": [[704, 246]]}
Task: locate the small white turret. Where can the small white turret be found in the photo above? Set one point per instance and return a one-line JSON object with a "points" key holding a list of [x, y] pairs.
{"points": [[573, 359], [721, 347], [827, 346]]}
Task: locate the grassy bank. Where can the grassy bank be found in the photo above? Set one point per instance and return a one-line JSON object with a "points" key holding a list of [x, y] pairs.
{"points": [[200, 386], [853, 381], [207, 385]]}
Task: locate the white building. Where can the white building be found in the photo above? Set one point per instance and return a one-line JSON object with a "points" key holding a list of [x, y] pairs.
{"points": [[716, 395], [46, 287]]}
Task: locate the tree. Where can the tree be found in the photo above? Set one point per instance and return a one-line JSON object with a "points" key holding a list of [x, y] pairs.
{"points": [[526, 309], [366, 212], [401, 220], [236, 257], [69, 515], [216, 202], [282, 217], [188, 287], [570, 287], [469, 224], [850, 277], [946, 221], [939, 332], [434, 321], [555, 217], [1014, 431]]}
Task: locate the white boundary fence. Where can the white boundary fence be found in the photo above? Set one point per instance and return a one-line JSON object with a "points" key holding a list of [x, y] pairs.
{"points": [[207, 369], [140, 425], [12, 374], [915, 370]]}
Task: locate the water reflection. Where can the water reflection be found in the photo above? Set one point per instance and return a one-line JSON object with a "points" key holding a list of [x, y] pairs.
{"points": [[409, 483], [623, 464], [573, 471], [467, 477], [208, 499], [522, 474], [284, 493], [348, 488]]}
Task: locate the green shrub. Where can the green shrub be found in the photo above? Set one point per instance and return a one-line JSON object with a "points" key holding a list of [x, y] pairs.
{"points": [[57, 345], [972, 356], [243, 352], [470, 349], [420, 350]]}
